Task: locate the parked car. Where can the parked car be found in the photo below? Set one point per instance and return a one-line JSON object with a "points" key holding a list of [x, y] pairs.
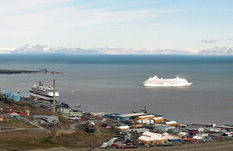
{"points": [[190, 140], [193, 132]]}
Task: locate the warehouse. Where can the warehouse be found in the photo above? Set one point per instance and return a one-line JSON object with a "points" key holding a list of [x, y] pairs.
{"points": [[147, 119], [127, 116]]}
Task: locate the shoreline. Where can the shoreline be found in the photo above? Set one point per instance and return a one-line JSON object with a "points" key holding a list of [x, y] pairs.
{"points": [[41, 71], [42, 138]]}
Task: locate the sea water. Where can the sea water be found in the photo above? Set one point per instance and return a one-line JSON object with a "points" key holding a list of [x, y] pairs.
{"points": [[113, 83]]}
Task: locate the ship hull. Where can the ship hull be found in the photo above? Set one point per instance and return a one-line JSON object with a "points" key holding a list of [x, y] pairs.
{"points": [[49, 98], [166, 85], [41, 92]]}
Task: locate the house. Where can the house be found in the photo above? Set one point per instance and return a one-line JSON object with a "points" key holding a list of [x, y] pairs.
{"points": [[2, 117], [140, 130], [16, 97], [152, 138], [75, 113], [37, 117], [45, 118], [9, 116], [63, 108], [23, 113], [8, 111], [8, 95], [6, 117], [164, 128], [123, 128], [172, 138], [172, 123], [14, 116], [159, 120], [51, 119], [147, 119]]}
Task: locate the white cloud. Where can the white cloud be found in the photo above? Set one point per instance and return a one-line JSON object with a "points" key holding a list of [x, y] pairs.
{"points": [[52, 13], [209, 40], [7, 50], [97, 16]]}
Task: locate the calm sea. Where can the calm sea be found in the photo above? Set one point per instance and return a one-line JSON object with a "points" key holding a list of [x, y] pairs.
{"points": [[113, 83]]}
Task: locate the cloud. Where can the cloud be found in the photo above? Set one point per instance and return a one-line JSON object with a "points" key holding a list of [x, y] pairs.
{"points": [[42, 14], [7, 50], [102, 16], [209, 41]]}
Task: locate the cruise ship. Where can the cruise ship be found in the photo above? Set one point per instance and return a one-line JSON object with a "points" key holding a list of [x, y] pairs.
{"points": [[38, 90], [160, 82]]}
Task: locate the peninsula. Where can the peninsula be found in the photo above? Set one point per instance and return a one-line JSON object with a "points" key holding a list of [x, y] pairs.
{"points": [[40, 71]]}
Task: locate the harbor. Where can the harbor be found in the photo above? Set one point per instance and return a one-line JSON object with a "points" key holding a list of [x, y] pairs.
{"points": [[98, 103], [139, 129]]}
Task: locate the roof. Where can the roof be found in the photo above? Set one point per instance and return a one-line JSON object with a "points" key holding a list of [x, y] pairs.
{"points": [[146, 117], [113, 139], [50, 117], [145, 138], [38, 116], [171, 122], [14, 114], [171, 137], [158, 118], [157, 137], [62, 106], [151, 134], [129, 115], [123, 127]]}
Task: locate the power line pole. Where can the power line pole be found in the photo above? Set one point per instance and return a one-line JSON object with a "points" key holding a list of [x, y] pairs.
{"points": [[92, 141], [54, 107]]}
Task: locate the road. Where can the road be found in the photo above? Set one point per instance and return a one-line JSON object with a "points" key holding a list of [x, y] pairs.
{"points": [[32, 123]]}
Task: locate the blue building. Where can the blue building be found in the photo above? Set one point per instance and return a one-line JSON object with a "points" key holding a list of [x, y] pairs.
{"points": [[127, 116]]}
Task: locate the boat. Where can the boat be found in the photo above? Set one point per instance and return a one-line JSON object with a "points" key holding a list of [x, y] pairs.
{"points": [[161, 82], [78, 105], [142, 110], [38, 90]]}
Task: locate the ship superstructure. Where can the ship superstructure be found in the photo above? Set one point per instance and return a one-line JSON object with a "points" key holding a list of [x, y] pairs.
{"points": [[38, 90], [161, 82]]}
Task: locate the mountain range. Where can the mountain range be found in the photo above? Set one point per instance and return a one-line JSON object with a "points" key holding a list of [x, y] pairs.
{"points": [[217, 51], [108, 50]]}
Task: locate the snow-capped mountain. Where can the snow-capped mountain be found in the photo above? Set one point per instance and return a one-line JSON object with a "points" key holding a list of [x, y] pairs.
{"points": [[47, 49], [38, 49], [217, 51]]}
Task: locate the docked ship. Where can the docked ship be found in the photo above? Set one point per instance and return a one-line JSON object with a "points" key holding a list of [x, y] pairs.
{"points": [[38, 90], [160, 82]]}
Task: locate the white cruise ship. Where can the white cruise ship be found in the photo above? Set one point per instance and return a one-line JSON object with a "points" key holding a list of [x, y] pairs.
{"points": [[43, 92], [156, 82]]}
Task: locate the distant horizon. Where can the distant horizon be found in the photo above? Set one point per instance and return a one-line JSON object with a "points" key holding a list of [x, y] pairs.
{"points": [[38, 49], [67, 54]]}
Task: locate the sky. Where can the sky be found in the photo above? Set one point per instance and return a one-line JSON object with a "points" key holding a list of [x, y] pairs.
{"points": [[187, 25]]}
